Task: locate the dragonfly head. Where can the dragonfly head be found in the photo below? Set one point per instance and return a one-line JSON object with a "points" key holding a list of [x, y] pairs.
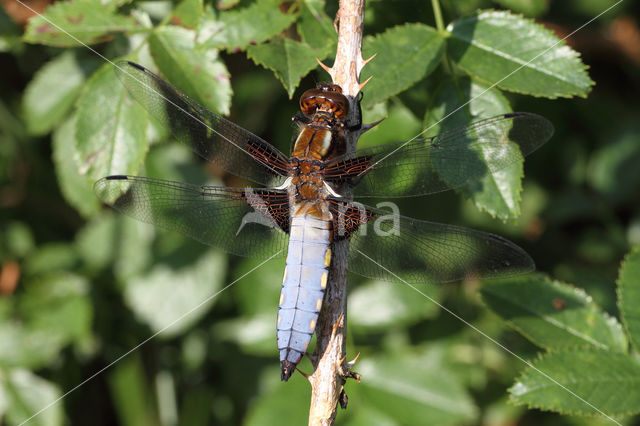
{"points": [[326, 97]]}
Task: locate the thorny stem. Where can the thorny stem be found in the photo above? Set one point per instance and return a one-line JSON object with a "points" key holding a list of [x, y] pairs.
{"points": [[329, 376]]}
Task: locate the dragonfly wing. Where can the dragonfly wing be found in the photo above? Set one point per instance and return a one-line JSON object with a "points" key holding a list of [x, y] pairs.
{"points": [[449, 160], [209, 135], [243, 221], [397, 248]]}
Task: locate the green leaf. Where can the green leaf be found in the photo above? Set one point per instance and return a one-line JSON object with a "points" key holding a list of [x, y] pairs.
{"points": [[553, 315], [188, 13], [380, 305], [607, 380], [492, 45], [413, 391], [76, 188], [133, 395], [26, 395], [288, 59], [315, 27], [52, 313], [51, 257], [111, 129], [49, 97], [404, 55], [198, 72], [170, 300], [59, 304], [629, 295], [76, 23], [498, 192], [526, 7], [95, 242], [236, 29], [255, 334], [277, 403], [616, 162], [260, 296]]}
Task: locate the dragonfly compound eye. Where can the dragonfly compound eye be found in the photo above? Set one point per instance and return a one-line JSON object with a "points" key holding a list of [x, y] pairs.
{"points": [[326, 97]]}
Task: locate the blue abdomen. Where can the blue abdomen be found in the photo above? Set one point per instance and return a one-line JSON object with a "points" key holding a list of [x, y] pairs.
{"points": [[305, 279]]}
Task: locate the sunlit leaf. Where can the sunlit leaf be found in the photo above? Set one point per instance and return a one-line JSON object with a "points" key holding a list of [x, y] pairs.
{"points": [[517, 54], [288, 59], [629, 295], [583, 380], [380, 305], [76, 23], [188, 13], [238, 28], [170, 300], [50, 95], [458, 103], [197, 72], [405, 55], [527, 7], [111, 129], [76, 188], [27, 395], [553, 315], [414, 392]]}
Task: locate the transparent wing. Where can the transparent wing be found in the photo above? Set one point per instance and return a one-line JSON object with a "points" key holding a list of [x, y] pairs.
{"points": [[448, 160], [395, 248], [212, 137], [243, 221]]}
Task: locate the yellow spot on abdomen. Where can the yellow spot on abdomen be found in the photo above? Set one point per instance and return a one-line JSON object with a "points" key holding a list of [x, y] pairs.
{"points": [[318, 304], [312, 325], [284, 278], [327, 258], [323, 280], [281, 299], [279, 319]]}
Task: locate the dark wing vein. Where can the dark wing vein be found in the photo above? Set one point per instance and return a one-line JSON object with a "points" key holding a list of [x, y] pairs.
{"points": [[220, 217], [212, 137], [421, 252], [449, 160]]}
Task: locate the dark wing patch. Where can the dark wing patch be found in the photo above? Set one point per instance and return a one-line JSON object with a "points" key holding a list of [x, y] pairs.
{"points": [[241, 221], [348, 216]]}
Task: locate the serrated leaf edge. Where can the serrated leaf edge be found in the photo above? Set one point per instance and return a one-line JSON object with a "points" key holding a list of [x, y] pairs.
{"points": [[620, 296], [561, 44], [588, 299], [427, 71], [540, 356]]}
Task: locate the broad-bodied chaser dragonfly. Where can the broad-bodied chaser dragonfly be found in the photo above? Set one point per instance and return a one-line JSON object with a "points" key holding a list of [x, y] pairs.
{"points": [[300, 208]]}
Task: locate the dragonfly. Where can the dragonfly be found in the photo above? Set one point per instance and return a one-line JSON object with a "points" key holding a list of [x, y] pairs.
{"points": [[296, 206]]}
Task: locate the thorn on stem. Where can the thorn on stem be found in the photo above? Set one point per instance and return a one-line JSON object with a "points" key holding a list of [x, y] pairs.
{"points": [[324, 67], [361, 85], [365, 62]]}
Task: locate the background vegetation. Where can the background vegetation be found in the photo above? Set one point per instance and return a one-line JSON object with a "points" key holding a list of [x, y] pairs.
{"points": [[82, 286]]}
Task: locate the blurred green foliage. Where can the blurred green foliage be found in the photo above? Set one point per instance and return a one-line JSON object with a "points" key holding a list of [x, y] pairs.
{"points": [[94, 299]]}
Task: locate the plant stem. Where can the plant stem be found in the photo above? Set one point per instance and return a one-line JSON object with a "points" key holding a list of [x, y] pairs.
{"points": [[328, 378], [437, 13]]}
